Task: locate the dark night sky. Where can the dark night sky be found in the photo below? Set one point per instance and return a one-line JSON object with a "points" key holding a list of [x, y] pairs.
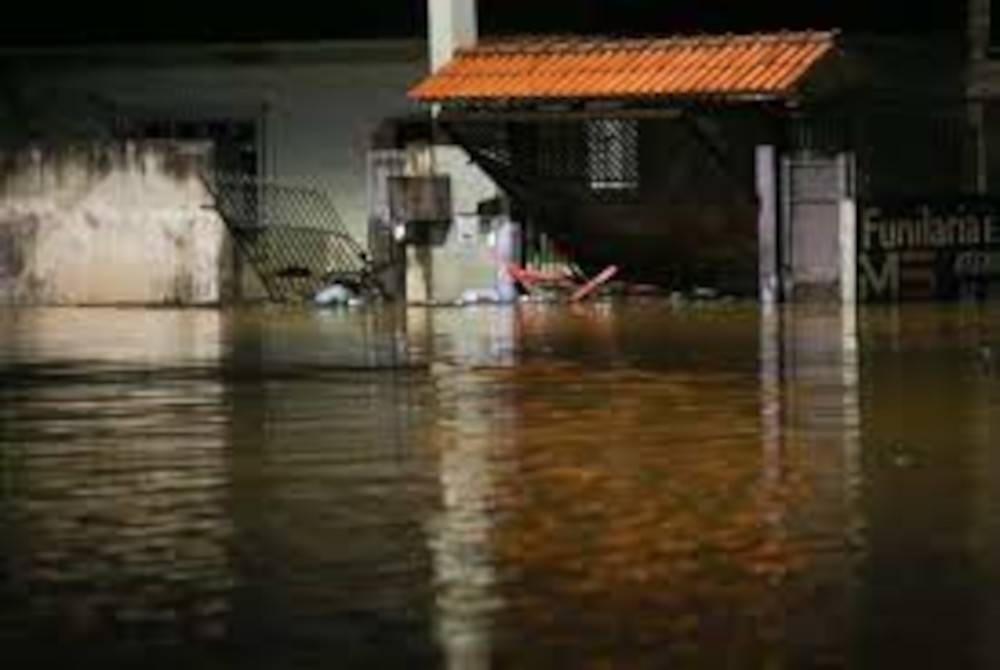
{"points": [[187, 21]]}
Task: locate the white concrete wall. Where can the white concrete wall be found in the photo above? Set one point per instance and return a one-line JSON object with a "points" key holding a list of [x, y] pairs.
{"points": [[466, 260], [319, 103], [109, 225]]}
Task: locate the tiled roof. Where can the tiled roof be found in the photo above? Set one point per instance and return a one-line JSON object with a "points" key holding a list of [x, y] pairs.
{"points": [[768, 65]]}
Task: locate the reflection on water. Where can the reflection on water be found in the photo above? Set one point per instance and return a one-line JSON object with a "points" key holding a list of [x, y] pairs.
{"points": [[624, 486]]}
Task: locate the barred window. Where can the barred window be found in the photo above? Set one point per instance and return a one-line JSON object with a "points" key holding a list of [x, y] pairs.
{"points": [[613, 154]]}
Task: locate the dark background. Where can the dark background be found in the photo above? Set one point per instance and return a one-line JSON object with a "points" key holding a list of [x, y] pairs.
{"points": [[187, 21]]}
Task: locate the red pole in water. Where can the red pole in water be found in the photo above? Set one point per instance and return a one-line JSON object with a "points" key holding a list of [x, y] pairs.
{"points": [[592, 285]]}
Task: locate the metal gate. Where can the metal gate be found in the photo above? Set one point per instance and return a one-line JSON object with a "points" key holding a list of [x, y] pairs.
{"points": [[817, 241], [292, 236]]}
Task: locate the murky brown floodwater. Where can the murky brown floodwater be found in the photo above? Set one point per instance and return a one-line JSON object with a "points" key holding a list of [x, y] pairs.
{"points": [[544, 487]]}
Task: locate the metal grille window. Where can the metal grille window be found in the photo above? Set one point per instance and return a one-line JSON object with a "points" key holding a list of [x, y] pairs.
{"points": [[613, 154]]}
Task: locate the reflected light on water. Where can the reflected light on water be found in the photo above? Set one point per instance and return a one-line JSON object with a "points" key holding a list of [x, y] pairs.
{"points": [[589, 486]]}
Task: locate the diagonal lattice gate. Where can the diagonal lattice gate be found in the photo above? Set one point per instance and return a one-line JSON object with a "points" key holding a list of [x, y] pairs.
{"points": [[292, 236]]}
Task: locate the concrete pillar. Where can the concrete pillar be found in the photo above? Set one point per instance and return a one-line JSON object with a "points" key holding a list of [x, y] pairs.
{"points": [[978, 45], [508, 245], [452, 25], [419, 274], [848, 232], [767, 225], [848, 251], [978, 29]]}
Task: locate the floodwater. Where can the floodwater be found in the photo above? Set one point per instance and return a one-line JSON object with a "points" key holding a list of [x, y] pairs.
{"points": [[624, 486]]}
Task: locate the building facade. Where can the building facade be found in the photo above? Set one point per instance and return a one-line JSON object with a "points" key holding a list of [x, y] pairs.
{"points": [[301, 113], [672, 184]]}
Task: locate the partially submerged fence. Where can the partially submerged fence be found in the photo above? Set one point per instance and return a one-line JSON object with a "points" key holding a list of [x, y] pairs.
{"points": [[292, 236]]}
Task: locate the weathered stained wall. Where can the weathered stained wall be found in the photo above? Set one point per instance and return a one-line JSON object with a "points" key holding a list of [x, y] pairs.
{"points": [[109, 224], [314, 106]]}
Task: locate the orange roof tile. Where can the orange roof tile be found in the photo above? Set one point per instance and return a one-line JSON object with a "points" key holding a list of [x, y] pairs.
{"points": [[584, 67]]}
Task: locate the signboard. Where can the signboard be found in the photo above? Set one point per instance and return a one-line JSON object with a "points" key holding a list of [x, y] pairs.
{"points": [[930, 250]]}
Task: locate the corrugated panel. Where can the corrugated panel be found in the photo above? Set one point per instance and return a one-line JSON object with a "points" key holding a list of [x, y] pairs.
{"points": [[561, 68]]}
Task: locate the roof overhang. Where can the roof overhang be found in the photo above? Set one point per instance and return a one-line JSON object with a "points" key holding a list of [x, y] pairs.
{"points": [[594, 74]]}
